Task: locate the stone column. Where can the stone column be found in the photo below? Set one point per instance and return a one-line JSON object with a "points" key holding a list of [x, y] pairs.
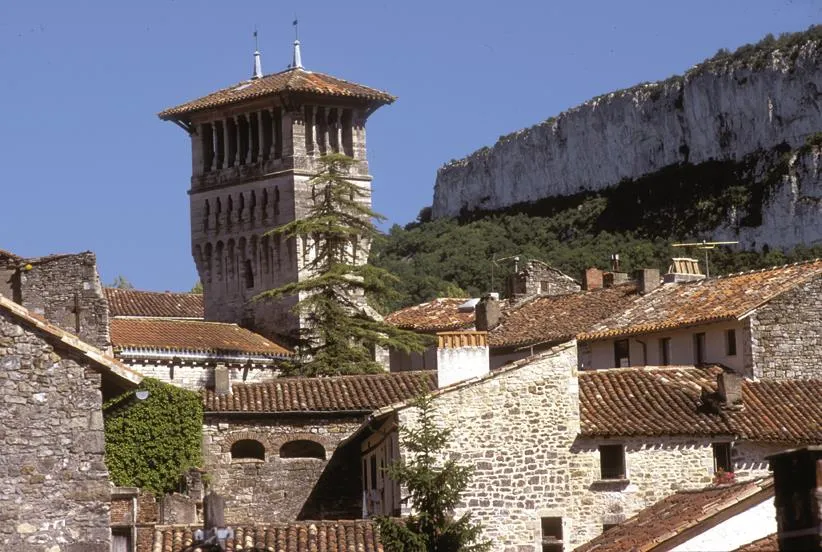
{"points": [[226, 144], [338, 130], [261, 153], [310, 121], [239, 158]]}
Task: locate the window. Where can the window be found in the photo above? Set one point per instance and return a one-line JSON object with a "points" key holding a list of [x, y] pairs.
{"points": [[544, 286], [730, 342], [622, 357], [722, 457], [121, 539], [699, 348], [247, 449], [249, 274], [612, 461], [551, 534], [665, 351], [302, 448]]}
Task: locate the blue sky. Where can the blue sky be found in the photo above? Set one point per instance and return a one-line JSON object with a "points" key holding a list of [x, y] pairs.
{"points": [[88, 166]]}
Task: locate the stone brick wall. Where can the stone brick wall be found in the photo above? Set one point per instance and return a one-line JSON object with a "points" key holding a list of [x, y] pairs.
{"points": [[538, 278], [66, 290], [519, 429], [284, 488], [197, 377], [787, 334], [54, 486]]}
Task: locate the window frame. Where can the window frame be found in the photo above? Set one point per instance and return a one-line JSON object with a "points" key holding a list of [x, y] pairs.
{"points": [[611, 473], [730, 342], [699, 347], [617, 357]]}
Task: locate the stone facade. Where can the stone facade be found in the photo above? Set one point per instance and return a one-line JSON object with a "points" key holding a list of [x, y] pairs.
{"points": [[290, 488], [54, 485], [65, 290], [538, 278], [520, 429], [197, 376], [786, 334]]}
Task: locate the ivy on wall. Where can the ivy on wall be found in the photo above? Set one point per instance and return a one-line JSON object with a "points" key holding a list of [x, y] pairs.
{"points": [[151, 442]]}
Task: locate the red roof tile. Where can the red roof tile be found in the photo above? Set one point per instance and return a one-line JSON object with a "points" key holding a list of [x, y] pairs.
{"points": [[711, 300], [438, 315], [357, 393], [680, 512], [131, 302], [294, 536], [291, 80], [557, 318], [651, 401], [189, 335], [765, 544]]}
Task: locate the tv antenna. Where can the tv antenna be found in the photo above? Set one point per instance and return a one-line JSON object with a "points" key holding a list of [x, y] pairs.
{"points": [[705, 246], [495, 262]]}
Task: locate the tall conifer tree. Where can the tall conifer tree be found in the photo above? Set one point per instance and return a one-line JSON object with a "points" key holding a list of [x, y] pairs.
{"points": [[338, 333]]}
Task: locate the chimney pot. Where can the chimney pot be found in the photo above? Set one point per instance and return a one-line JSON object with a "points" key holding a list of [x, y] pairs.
{"points": [[592, 279], [487, 313], [647, 279]]}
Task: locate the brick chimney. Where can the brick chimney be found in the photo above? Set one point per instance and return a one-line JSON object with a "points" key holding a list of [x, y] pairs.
{"points": [[592, 279], [798, 498], [729, 389], [222, 380], [487, 313], [647, 279], [461, 356]]}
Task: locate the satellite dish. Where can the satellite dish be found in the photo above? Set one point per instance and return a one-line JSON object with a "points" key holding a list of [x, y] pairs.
{"points": [[141, 395]]}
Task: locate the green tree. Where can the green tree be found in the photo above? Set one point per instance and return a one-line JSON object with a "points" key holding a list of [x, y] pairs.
{"points": [[434, 489], [339, 333], [197, 288], [120, 282]]}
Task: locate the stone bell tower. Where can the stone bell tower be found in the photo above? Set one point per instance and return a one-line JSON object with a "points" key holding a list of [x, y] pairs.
{"points": [[254, 149]]}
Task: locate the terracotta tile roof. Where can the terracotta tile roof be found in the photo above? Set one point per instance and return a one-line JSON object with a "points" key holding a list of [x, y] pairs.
{"points": [[294, 536], [131, 302], [358, 393], [765, 544], [680, 512], [655, 401], [438, 315], [559, 317], [291, 80], [170, 334], [100, 360], [711, 300]]}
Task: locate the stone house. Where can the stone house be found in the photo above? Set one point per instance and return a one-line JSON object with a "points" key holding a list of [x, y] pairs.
{"points": [[721, 517], [279, 450], [54, 487], [163, 335], [561, 453], [762, 324]]}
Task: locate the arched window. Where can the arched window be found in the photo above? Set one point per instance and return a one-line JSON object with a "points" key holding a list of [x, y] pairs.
{"points": [[302, 448], [247, 448]]}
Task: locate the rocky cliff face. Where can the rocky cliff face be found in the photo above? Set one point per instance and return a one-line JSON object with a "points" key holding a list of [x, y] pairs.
{"points": [[726, 109]]}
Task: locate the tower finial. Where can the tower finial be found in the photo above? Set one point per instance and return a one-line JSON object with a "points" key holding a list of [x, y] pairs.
{"points": [[258, 66], [298, 60]]}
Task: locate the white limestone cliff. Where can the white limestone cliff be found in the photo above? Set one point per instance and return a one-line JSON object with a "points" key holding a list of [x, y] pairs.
{"points": [[720, 110]]}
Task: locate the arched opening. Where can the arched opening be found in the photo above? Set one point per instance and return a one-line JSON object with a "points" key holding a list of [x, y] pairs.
{"points": [[249, 274], [302, 448], [245, 449]]}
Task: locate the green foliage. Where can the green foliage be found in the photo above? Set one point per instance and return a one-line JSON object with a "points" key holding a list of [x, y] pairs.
{"points": [[197, 288], [120, 282], [339, 334], [434, 490], [639, 219], [151, 443]]}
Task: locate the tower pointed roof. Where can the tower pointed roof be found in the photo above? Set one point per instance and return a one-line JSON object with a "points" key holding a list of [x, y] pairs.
{"points": [[295, 79]]}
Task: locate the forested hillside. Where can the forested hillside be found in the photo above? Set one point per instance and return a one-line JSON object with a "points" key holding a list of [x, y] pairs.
{"points": [[447, 257]]}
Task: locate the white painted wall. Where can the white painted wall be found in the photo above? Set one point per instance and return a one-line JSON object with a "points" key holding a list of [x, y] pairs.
{"points": [[459, 364], [682, 348], [746, 527], [198, 377]]}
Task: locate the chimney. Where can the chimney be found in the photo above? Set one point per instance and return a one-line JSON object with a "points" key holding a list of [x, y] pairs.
{"points": [[222, 380], [461, 356], [647, 279], [683, 270], [797, 478], [487, 313], [729, 388], [592, 279], [611, 279]]}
